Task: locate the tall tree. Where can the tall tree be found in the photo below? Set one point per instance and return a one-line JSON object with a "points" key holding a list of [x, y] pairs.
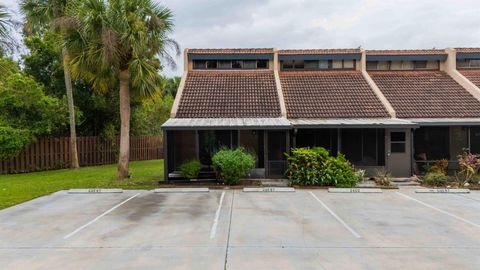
{"points": [[7, 42], [121, 43], [49, 15]]}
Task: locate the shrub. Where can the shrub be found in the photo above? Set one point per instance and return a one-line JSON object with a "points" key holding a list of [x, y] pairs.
{"points": [[304, 165], [382, 177], [440, 166], [232, 164], [191, 168], [338, 171], [314, 166], [435, 179], [469, 165], [12, 141]]}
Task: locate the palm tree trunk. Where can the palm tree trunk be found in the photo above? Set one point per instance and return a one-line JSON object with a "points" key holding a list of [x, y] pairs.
{"points": [[124, 78], [71, 110]]}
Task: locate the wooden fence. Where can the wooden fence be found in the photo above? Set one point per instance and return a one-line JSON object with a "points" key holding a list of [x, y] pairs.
{"points": [[54, 153]]}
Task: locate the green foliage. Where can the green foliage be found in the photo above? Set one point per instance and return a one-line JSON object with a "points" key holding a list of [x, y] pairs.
{"points": [[12, 141], [435, 179], [23, 105], [232, 164], [314, 166], [26, 112], [148, 117], [191, 168]]}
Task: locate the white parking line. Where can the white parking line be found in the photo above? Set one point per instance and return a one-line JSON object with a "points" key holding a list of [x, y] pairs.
{"points": [[99, 217], [213, 231], [439, 210], [335, 216]]}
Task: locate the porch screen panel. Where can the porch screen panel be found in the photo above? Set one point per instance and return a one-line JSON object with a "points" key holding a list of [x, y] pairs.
{"points": [[364, 147], [252, 141], [277, 146], [352, 144], [184, 147], [458, 141], [475, 140], [431, 143], [326, 138]]}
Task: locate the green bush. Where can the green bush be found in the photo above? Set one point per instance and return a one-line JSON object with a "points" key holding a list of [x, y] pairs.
{"points": [[191, 168], [232, 164], [314, 166], [435, 179], [12, 141]]}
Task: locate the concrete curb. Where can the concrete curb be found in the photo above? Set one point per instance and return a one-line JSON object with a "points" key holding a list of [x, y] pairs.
{"points": [[181, 190], [268, 189], [354, 190], [443, 190], [95, 191]]}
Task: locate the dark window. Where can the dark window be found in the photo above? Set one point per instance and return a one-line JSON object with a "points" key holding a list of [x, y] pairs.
{"points": [[249, 64], [237, 64], [431, 143], [474, 63], [298, 64], [397, 142], [224, 64], [372, 65], [463, 63], [311, 64], [420, 64], [262, 64], [211, 64], [199, 64]]}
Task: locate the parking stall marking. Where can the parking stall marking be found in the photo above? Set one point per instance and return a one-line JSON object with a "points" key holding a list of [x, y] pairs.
{"points": [[213, 231], [336, 217], [99, 217], [439, 210]]}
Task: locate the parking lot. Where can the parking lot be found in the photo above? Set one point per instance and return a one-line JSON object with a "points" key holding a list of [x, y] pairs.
{"points": [[305, 229]]}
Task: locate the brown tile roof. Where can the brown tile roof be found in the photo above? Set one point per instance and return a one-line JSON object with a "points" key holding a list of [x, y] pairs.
{"points": [[468, 50], [329, 94], [425, 94], [319, 51], [232, 51], [472, 75], [405, 52], [224, 94]]}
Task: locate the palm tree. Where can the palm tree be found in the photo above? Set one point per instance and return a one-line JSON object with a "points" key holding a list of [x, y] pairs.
{"points": [[7, 43], [50, 15], [121, 43]]}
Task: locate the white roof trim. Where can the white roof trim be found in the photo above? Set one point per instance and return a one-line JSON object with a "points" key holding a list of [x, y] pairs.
{"points": [[357, 122], [446, 121], [227, 123]]}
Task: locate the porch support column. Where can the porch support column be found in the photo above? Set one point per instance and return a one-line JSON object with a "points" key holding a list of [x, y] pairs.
{"points": [[265, 152], [165, 156]]}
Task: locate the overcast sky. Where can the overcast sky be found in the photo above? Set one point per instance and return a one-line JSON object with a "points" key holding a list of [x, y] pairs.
{"points": [[290, 24]]}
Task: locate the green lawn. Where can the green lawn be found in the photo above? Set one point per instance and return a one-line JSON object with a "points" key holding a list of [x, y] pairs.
{"points": [[18, 188]]}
